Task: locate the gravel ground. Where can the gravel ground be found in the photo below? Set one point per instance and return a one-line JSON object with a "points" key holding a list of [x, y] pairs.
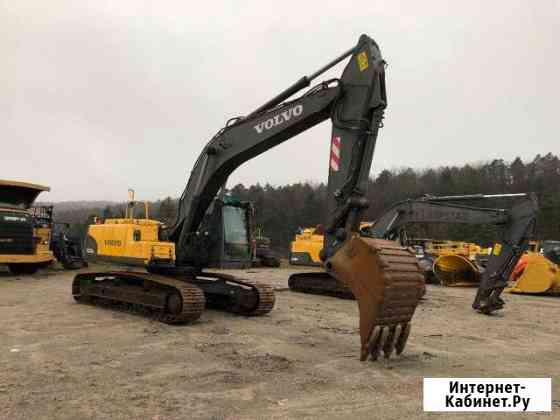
{"points": [[63, 360]]}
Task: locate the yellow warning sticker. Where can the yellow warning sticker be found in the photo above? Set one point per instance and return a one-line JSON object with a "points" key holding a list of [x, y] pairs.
{"points": [[362, 61], [497, 249]]}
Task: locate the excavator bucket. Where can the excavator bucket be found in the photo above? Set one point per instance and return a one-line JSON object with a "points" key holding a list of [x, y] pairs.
{"points": [[539, 276], [456, 270], [387, 283]]}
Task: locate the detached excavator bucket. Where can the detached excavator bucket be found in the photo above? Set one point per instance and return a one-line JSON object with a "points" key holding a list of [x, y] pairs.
{"points": [[387, 282], [456, 270], [539, 276]]}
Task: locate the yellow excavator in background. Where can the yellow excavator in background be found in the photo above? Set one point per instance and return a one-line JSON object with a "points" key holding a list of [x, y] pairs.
{"points": [[129, 240], [538, 271], [306, 247]]}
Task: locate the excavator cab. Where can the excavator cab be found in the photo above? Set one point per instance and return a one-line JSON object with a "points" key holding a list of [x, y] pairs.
{"points": [[227, 226]]}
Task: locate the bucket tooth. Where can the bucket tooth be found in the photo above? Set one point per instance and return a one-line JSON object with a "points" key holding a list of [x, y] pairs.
{"points": [[380, 345], [373, 342], [402, 339], [387, 282], [392, 341]]}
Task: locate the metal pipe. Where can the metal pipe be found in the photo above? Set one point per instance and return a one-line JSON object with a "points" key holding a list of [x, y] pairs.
{"points": [[300, 84]]}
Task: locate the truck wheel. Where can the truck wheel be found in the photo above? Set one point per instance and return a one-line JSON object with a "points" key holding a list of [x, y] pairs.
{"points": [[18, 269]]}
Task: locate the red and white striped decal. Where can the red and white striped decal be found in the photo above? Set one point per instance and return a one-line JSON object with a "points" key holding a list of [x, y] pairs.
{"points": [[335, 153]]}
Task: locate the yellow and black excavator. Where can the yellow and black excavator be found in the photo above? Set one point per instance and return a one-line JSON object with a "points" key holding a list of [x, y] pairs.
{"points": [[383, 276]]}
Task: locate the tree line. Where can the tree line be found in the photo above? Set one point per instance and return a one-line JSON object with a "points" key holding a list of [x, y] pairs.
{"points": [[281, 210]]}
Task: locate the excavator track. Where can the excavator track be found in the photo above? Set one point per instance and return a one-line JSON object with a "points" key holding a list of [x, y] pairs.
{"points": [[236, 295], [168, 300], [388, 283], [266, 299], [317, 283]]}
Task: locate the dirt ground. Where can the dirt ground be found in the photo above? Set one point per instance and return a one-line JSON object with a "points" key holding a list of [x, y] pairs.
{"points": [[63, 360]]}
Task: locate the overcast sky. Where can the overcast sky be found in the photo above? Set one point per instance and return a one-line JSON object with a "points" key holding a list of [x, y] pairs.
{"points": [[99, 96]]}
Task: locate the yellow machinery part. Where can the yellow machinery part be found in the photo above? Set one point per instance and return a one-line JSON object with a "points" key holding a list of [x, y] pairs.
{"points": [[467, 249], [306, 247], [456, 270], [128, 241], [42, 259], [387, 283], [539, 276], [42, 255]]}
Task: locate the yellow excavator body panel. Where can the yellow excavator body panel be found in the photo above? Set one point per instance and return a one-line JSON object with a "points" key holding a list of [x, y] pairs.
{"points": [[540, 275], [468, 249], [129, 242], [305, 249]]}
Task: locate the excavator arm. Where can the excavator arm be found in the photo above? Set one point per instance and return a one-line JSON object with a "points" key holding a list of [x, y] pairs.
{"points": [[355, 104], [517, 228]]}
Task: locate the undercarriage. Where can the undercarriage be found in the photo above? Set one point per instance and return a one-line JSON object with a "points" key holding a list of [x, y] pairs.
{"points": [[173, 299]]}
